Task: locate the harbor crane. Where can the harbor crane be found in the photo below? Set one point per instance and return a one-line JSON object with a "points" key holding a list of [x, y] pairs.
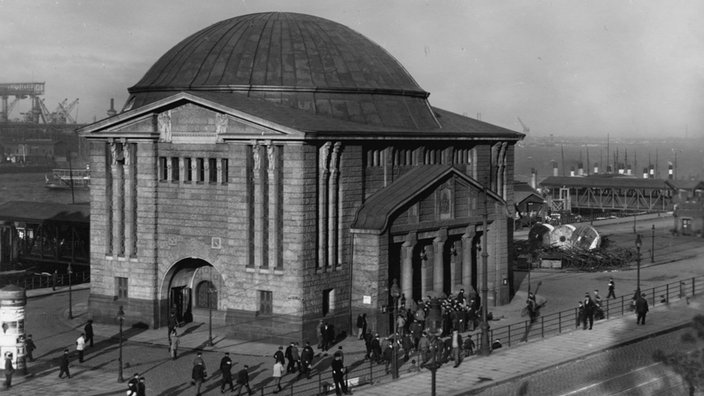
{"points": [[525, 127]]}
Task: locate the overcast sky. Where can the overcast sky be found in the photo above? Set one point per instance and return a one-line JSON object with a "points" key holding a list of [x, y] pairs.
{"points": [[565, 67]]}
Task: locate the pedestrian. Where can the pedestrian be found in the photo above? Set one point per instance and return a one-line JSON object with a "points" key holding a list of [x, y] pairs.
{"points": [[54, 279], [141, 387], [341, 353], [364, 325], [243, 380], [30, 346], [199, 360], [133, 385], [376, 349], [279, 356], [532, 306], [320, 333], [457, 347], [80, 346], [9, 370], [641, 309], [198, 376], [225, 369], [278, 372], [64, 365], [580, 313], [598, 312], [173, 344], [88, 329], [296, 358], [338, 375], [171, 324], [588, 312], [612, 289], [307, 360], [360, 327]]}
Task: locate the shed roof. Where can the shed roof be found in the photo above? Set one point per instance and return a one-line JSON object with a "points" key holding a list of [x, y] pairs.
{"points": [[605, 182], [40, 212]]}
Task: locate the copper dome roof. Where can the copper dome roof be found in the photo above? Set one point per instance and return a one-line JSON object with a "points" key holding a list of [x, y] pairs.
{"points": [[297, 60]]}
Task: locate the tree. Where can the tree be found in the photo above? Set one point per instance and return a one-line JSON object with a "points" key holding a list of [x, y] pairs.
{"points": [[690, 364]]}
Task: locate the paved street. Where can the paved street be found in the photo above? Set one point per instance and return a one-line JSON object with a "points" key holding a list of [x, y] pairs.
{"points": [[145, 349]]}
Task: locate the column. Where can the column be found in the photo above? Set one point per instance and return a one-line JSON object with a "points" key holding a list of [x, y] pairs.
{"points": [[407, 269], [438, 266], [324, 173], [467, 242], [423, 272], [332, 205], [118, 224], [259, 215], [454, 258], [129, 200]]}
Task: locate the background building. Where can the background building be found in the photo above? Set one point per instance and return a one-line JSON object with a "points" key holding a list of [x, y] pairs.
{"points": [[283, 169]]}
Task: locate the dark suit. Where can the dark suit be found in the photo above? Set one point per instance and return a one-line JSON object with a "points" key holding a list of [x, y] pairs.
{"points": [[589, 308], [641, 310]]}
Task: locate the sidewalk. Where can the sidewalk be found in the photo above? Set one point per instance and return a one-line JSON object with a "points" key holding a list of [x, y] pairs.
{"points": [[477, 373]]}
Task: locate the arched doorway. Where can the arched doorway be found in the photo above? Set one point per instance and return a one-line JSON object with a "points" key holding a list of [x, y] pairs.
{"points": [[192, 286]]}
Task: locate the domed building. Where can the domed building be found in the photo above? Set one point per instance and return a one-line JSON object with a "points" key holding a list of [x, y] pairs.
{"points": [[281, 169]]}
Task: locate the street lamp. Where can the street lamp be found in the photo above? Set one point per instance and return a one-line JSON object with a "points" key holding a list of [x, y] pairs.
{"points": [[70, 299], [434, 329], [121, 318], [638, 244], [652, 244], [395, 294], [484, 348]]}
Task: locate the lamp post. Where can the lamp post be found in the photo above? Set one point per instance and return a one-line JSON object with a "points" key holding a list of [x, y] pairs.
{"points": [[70, 298], [434, 329], [652, 244], [638, 244], [484, 348], [121, 318], [395, 294]]}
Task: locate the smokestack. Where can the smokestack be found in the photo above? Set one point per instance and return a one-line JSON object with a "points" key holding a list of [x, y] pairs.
{"points": [[533, 178], [596, 168], [652, 172], [645, 173], [608, 169], [572, 171], [554, 168], [112, 111], [670, 175], [580, 169], [629, 172], [620, 168]]}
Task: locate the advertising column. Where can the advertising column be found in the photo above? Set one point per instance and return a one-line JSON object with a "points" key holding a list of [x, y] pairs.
{"points": [[12, 335]]}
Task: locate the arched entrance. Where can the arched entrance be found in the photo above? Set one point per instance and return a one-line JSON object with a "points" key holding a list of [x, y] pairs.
{"points": [[192, 286]]}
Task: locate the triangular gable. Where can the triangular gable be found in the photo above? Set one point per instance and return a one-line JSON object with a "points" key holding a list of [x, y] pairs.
{"points": [[377, 211], [184, 117]]}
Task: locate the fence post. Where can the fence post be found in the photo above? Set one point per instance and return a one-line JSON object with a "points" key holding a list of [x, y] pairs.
{"points": [[607, 309], [667, 293], [542, 327], [320, 385], [622, 307], [559, 322], [653, 293], [694, 290], [509, 335]]}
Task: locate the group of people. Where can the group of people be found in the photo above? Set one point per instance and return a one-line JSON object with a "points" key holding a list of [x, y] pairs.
{"points": [[136, 386], [199, 374], [590, 308]]}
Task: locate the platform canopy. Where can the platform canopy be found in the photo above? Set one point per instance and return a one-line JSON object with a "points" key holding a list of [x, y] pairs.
{"points": [[41, 212]]}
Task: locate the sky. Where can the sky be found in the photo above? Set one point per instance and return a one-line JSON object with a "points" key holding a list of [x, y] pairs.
{"points": [[568, 67]]}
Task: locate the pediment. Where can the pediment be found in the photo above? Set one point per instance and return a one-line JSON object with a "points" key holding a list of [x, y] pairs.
{"points": [[185, 118]]}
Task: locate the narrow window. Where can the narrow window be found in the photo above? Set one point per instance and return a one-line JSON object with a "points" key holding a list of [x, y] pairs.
{"points": [[328, 300], [200, 169], [174, 169], [121, 288], [225, 171], [187, 164], [212, 170], [163, 169], [265, 302]]}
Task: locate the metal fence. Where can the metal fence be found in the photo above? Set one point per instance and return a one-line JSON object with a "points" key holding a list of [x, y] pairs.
{"points": [[41, 281], [559, 322]]}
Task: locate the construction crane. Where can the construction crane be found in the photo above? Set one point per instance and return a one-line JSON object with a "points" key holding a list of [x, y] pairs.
{"points": [[525, 127], [65, 111]]}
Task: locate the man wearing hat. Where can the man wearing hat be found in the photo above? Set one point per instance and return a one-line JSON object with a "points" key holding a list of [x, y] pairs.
{"points": [[641, 309], [9, 370], [64, 365], [589, 307]]}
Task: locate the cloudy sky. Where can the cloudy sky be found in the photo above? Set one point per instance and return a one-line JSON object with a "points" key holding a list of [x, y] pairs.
{"points": [[569, 67]]}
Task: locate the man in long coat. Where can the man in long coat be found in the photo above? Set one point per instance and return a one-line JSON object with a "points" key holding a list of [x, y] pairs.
{"points": [[225, 367], [641, 309]]}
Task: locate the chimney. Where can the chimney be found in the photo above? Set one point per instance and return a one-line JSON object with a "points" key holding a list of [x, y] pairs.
{"points": [[554, 168], [533, 178], [580, 169], [670, 175], [652, 172], [608, 169], [645, 173], [629, 172], [112, 111], [596, 168], [572, 171], [620, 168]]}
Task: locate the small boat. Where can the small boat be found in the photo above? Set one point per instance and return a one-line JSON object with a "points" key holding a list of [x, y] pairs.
{"points": [[65, 179]]}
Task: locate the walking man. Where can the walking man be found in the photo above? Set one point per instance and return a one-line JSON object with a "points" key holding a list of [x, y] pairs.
{"points": [[29, 343], [88, 329], [641, 309], [338, 375], [243, 380], [80, 346], [54, 279], [588, 312], [456, 347], [612, 289], [9, 370], [64, 365], [225, 367], [173, 345], [198, 376], [307, 360]]}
